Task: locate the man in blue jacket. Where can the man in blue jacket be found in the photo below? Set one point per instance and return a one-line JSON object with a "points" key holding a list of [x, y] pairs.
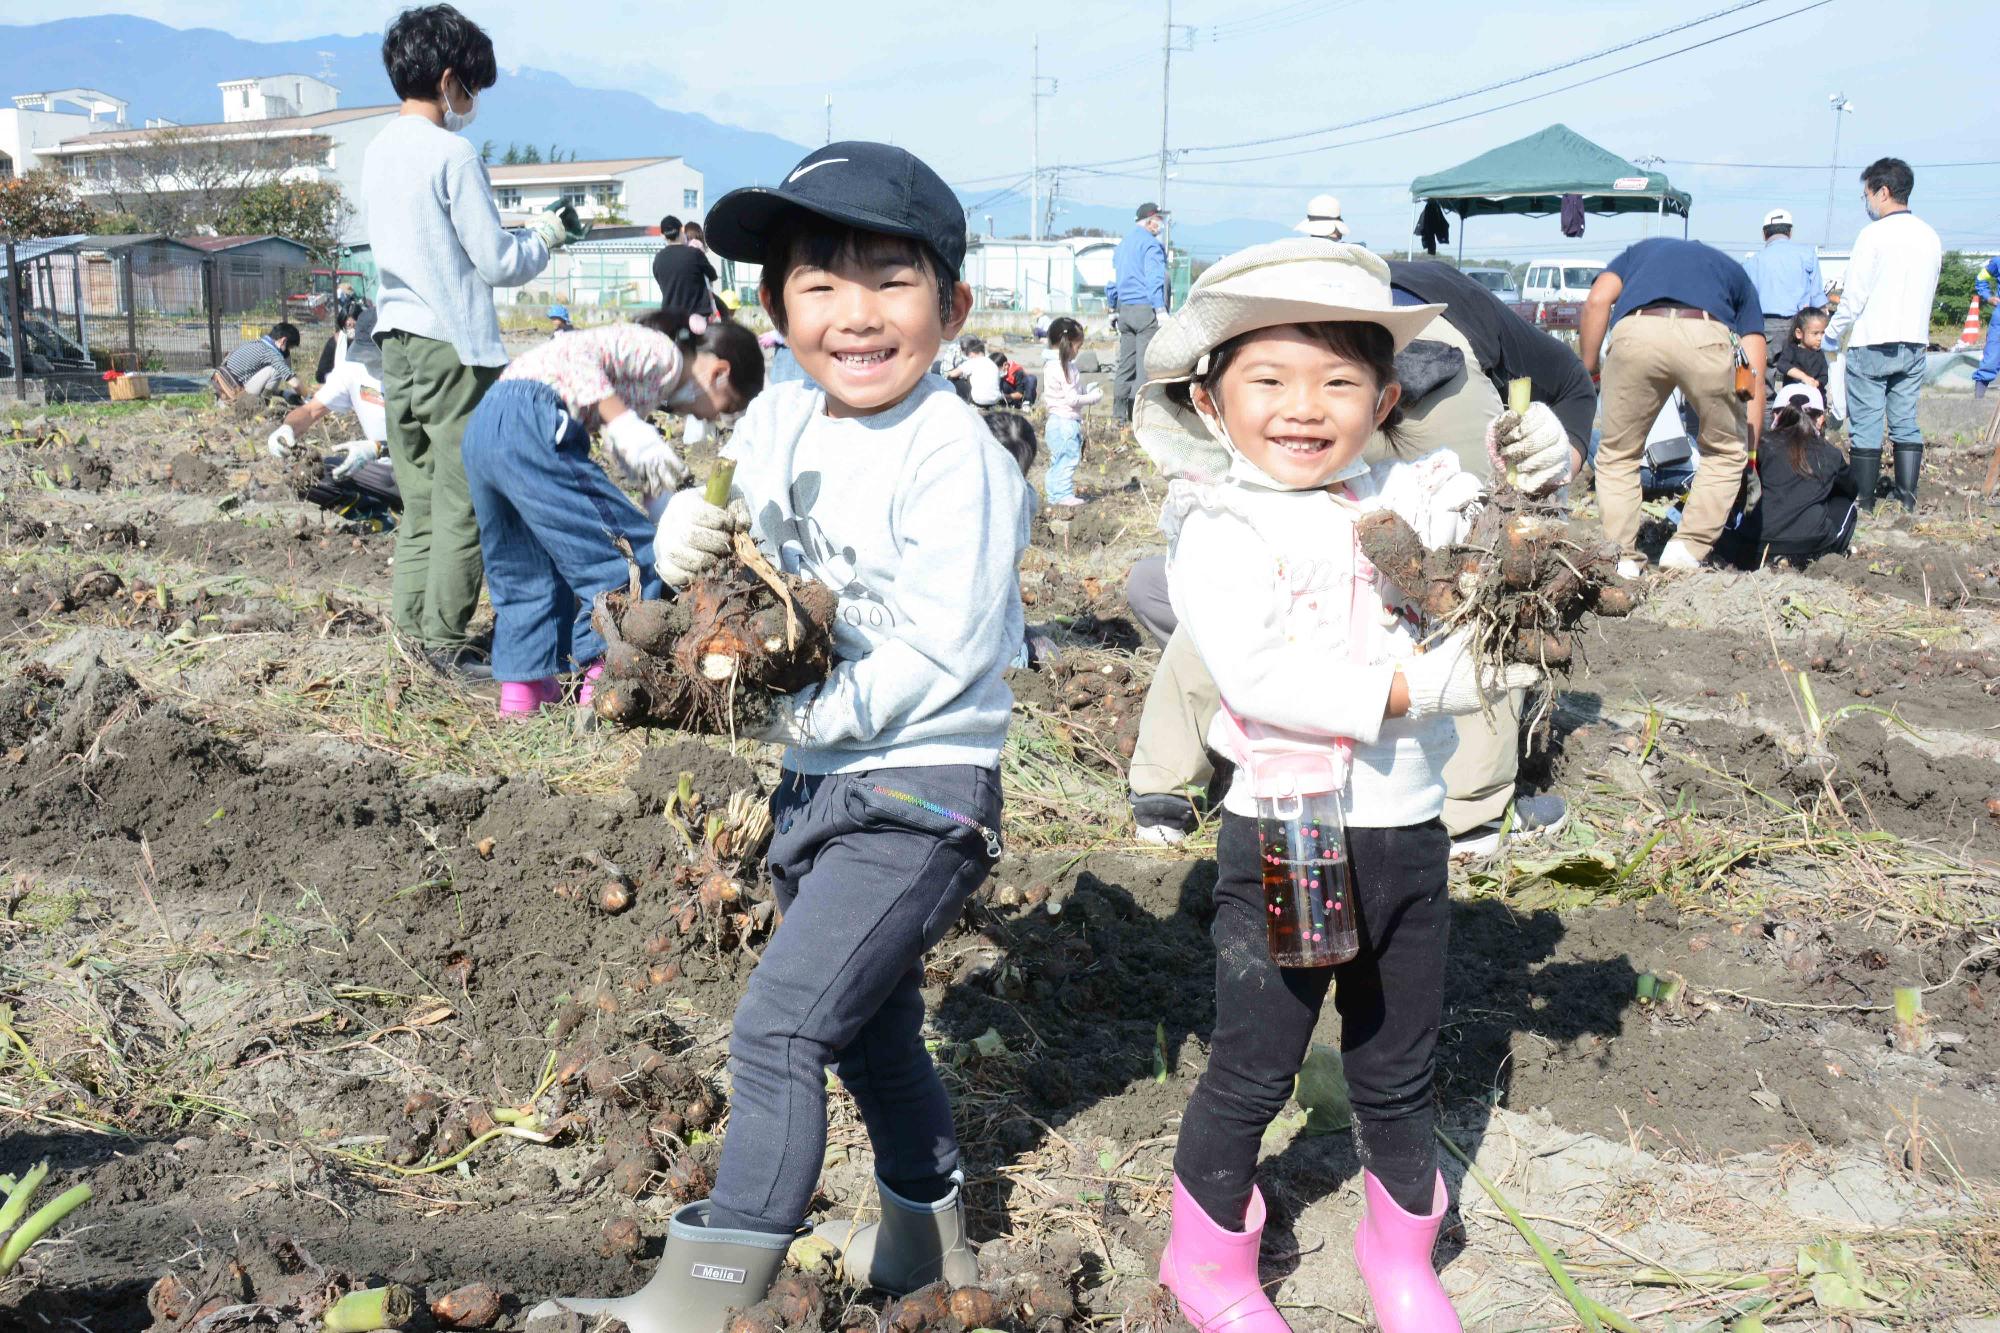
{"points": [[1139, 294], [1987, 284]]}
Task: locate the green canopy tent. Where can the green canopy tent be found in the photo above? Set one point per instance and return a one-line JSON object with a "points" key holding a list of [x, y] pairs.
{"points": [[1530, 177]]}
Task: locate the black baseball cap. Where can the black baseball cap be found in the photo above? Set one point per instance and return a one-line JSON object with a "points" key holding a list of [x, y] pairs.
{"points": [[870, 186], [1150, 211]]}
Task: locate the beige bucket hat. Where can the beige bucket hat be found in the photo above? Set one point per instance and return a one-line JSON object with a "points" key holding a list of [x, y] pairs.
{"points": [[1323, 219], [1303, 281]]}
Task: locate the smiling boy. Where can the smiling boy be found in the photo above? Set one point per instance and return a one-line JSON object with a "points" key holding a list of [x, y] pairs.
{"points": [[874, 478]]}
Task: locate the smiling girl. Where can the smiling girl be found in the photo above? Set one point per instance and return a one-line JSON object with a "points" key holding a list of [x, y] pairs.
{"points": [[1278, 369]]}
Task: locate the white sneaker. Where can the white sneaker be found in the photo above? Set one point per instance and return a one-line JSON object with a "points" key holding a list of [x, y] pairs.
{"points": [[1630, 569], [1534, 817], [1160, 835], [1677, 556]]}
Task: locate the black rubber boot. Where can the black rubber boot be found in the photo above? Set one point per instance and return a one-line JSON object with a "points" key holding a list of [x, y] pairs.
{"points": [[1865, 467], [1909, 463]]}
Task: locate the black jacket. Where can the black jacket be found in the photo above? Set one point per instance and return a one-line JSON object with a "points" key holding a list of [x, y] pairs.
{"points": [[1801, 513], [685, 276], [1508, 347]]}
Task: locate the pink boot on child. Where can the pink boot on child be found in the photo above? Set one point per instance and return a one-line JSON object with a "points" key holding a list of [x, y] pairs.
{"points": [[1213, 1271], [525, 698], [1393, 1249], [588, 689]]}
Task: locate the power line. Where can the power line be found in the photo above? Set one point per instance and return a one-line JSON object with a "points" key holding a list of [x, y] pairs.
{"points": [[1519, 101], [1491, 87], [1815, 166], [1273, 20], [1471, 115]]}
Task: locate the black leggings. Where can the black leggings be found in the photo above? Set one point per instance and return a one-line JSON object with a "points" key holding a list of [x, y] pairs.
{"points": [[1389, 997]]}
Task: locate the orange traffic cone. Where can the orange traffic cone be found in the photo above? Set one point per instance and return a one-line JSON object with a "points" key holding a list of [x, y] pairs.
{"points": [[1970, 336]]}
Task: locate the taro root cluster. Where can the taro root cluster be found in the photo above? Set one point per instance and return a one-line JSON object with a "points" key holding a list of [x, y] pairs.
{"points": [[717, 658], [1517, 580], [1092, 704], [279, 1287]]}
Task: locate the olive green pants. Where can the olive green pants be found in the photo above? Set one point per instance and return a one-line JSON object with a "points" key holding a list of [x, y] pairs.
{"points": [[430, 396]]}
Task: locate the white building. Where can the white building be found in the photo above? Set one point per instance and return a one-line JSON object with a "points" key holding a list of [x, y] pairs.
{"points": [[38, 122], [322, 143], [1060, 277], [638, 190], [277, 97]]}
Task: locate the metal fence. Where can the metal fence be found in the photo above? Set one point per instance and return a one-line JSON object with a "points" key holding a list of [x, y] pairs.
{"points": [[71, 310]]}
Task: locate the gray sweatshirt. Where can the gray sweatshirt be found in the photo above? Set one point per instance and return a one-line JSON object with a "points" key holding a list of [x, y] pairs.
{"points": [[439, 246], [917, 518]]}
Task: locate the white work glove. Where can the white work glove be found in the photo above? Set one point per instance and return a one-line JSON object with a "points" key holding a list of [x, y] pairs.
{"points": [[550, 229], [1447, 682], [281, 443], [643, 454], [355, 455], [1532, 448], [695, 535]]}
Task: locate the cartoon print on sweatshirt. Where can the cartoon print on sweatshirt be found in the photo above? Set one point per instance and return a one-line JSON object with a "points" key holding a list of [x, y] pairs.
{"points": [[803, 548]]}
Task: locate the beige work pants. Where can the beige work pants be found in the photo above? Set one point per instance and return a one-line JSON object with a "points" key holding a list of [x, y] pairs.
{"points": [[1648, 358]]}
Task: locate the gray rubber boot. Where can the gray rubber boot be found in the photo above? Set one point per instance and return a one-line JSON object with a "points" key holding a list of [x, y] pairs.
{"points": [[703, 1273], [913, 1245]]}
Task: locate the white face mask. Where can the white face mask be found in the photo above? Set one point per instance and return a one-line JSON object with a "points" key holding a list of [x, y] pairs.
{"points": [[455, 120]]}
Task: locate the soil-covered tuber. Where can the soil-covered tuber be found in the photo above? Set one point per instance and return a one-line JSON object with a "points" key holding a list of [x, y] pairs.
{"points": [[715, 659], [1517, 580]]}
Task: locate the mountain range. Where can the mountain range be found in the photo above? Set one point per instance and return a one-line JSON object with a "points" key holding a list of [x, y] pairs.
{"points": [[170, 72]]}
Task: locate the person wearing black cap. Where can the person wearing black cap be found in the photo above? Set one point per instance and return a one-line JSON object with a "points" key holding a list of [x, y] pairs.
{"points": [[1139, 291], [876, 480]]}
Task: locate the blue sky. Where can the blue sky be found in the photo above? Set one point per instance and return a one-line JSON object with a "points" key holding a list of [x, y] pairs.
{"points": [[951, 81]]}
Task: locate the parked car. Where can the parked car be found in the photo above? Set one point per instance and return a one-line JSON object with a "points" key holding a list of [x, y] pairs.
{"points": [[1496, 280], [1559, 280]]}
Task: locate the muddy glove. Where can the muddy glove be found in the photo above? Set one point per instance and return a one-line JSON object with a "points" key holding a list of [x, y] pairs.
{"points": [[1447, 682], [642, 454], [355, 455], [695, 535], [549, 229], [1532, 449], [281, 443]]}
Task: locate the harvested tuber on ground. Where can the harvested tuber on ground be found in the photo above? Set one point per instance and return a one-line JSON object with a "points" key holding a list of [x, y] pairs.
{"points": [[1518, 580], [714, 660]]}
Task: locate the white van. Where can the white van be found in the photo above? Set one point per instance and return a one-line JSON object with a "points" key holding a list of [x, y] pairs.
{"points": [[1559, 279]]}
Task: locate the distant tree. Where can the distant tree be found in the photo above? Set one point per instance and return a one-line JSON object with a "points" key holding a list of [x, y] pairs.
{"points": [[177, 182], [313, 213], [486, 152], [43, 203], [1954, 289], [530, 155], [1085, 231], [512, 157]]}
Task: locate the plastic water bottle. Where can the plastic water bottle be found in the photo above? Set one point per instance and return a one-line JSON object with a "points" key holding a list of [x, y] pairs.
{"points": [[1308, 880]]}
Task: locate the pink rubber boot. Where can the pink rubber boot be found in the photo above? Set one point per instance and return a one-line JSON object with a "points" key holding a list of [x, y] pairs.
{"points": [[588, 690], [1213, 1271], [524, 698], [1393, 1249]]}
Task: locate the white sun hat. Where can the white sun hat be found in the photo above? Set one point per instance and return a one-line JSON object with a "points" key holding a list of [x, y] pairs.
{"points": [[1282, 282], [1777, 217], [1323, 219]]}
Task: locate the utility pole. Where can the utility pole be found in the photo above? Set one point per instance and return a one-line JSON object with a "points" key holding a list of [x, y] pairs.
{"points": [[1166, 90], [1841, 106], [1037, 93], [829, 117]]}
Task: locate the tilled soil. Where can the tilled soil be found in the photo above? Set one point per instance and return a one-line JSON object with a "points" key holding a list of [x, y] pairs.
{"points": [[238, 950]]}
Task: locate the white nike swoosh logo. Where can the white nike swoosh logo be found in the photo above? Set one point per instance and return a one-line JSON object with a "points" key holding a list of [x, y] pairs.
{"points": [[813, 166]]}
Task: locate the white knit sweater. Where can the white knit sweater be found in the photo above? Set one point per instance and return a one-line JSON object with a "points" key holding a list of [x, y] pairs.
{"points": [[1267, 583]]}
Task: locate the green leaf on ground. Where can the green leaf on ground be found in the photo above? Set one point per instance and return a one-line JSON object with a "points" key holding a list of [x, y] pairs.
{"points": [[1322, 1091]]}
